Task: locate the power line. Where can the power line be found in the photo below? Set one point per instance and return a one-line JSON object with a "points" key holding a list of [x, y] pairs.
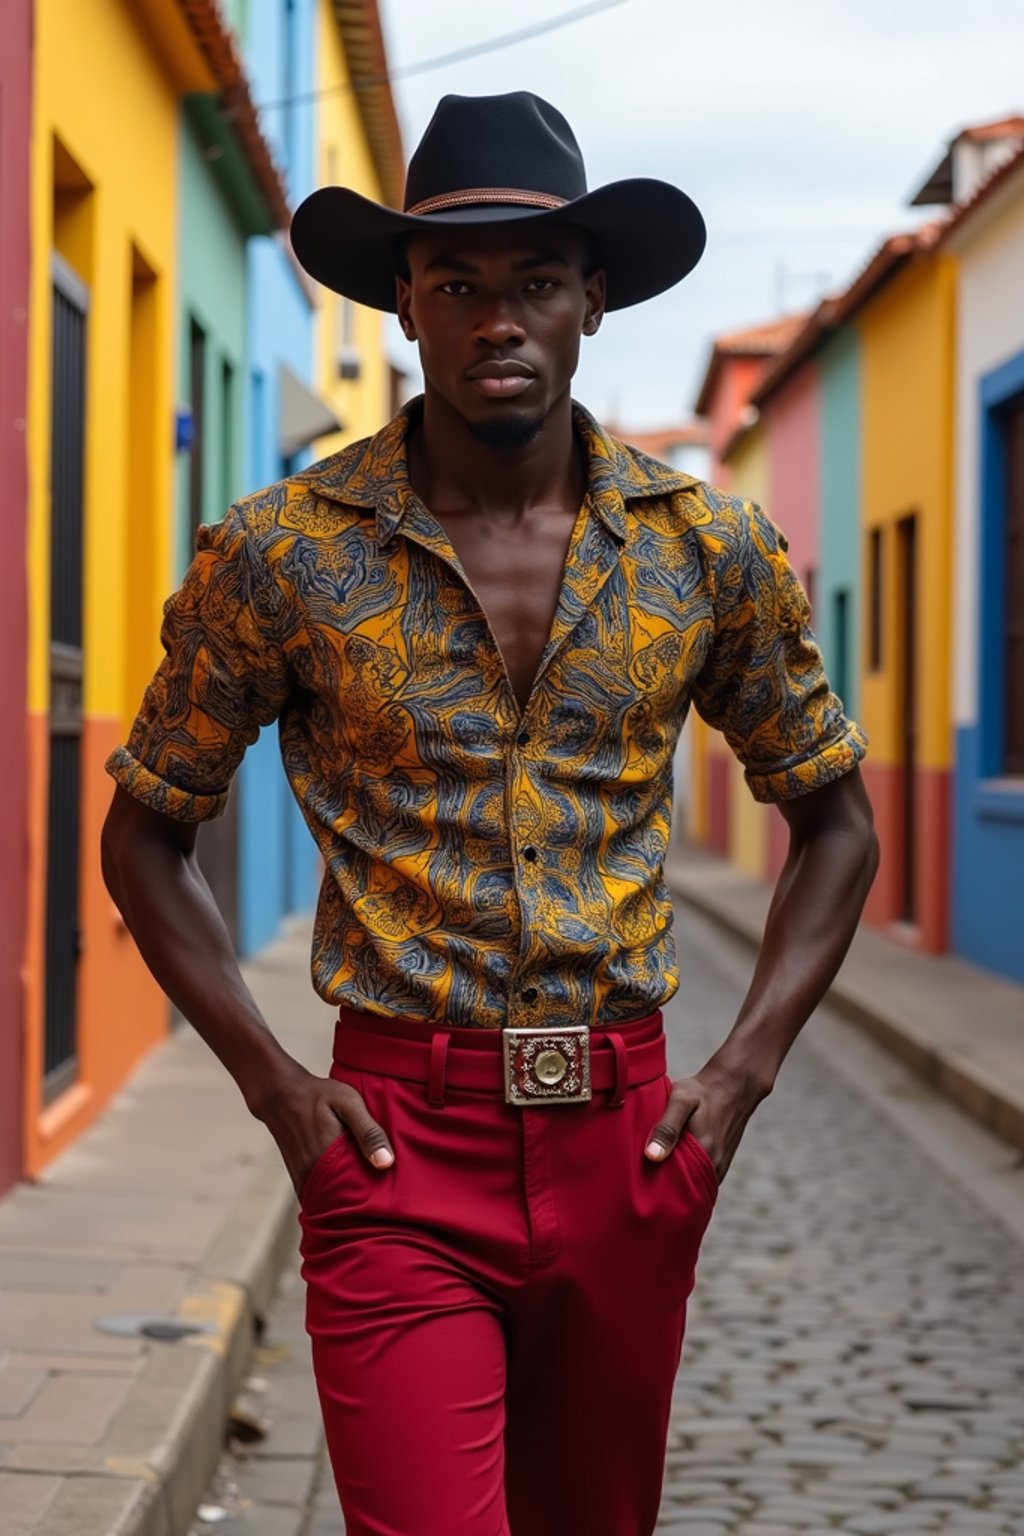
{"points": [[799, 236], [438, 61]]}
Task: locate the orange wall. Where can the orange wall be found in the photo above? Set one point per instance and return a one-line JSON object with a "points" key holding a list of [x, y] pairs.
{"points": [[122, 1012]]}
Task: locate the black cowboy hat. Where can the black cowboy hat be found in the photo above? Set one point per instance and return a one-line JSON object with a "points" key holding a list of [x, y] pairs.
{"points": [[506, 160]]}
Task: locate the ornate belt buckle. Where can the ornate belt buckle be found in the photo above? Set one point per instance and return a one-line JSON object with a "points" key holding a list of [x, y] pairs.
{"points": [[547, 1066]]}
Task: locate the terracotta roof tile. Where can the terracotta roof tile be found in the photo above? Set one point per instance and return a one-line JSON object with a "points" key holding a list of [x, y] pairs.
{"points": [[765, 340]]}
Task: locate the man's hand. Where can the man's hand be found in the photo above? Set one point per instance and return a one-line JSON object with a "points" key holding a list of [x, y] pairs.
{"points": [[304, 1114], [715, 1106]]}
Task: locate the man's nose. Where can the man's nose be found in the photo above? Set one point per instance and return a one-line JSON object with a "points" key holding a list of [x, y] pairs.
{"points": [[499, 324]]}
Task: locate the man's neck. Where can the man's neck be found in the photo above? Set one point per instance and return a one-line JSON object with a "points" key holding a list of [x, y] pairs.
{"points": [[453, 472]]}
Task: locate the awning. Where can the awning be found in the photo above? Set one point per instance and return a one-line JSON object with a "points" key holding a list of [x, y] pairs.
{"points": [[303, 416]]}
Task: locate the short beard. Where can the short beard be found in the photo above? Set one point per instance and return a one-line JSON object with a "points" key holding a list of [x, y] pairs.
{"points": [[507, 433]]}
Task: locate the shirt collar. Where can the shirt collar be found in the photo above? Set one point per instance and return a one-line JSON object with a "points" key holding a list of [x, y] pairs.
{"points": [[375, 473]]}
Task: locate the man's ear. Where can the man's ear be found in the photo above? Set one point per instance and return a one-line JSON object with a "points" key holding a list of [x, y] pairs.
{"points": [[403, 303], [594, 294]]}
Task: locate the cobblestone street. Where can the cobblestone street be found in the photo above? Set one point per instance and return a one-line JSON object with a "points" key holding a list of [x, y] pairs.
{"points": [[854, 1358]]}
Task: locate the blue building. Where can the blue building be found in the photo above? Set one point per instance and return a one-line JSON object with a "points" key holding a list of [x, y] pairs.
{"points": [[277, 858], [987, 238]]}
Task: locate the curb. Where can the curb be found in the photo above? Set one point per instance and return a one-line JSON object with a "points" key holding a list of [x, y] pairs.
{"points": [[169, 1432], [960, 1080]]}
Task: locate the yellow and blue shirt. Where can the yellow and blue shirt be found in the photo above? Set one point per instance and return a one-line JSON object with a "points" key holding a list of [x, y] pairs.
{"points": [[485, 865]]}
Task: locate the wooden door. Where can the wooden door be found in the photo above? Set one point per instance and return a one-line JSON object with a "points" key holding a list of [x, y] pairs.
{"points": [[907, 705]]}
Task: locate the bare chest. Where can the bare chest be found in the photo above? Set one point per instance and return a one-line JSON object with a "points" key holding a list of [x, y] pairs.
{"points": [[516, 571]]}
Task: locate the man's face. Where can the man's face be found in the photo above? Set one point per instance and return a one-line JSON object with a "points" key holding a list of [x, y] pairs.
{"points": [[498, 316]]}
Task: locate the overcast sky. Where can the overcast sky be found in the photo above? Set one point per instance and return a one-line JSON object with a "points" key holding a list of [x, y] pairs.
{"points": [[799, 127]]}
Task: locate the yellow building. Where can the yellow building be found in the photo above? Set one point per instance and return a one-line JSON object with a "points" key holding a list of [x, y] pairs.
{"points": [[108, 81], [906, 330], [358, 145]]}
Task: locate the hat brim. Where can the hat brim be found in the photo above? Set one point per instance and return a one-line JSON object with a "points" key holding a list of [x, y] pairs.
{"points": [[648, 234]]}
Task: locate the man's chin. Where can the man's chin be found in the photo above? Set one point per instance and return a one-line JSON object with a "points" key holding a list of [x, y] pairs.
{"points": [[507, 430]]}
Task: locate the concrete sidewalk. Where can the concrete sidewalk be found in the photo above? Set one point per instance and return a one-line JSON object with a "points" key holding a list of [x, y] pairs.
{"points": [[960, 1028], [175, 1203]]}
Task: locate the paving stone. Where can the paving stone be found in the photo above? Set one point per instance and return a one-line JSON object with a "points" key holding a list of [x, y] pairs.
{"points": [[69, 1410], [43, 1271], [279, 1479], [17, 1389], [271, 1520], [24, 1500], [890, 1522], [331, 1525]]}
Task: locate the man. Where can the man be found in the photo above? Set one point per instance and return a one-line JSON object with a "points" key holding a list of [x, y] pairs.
{"points": [[480, 632]]}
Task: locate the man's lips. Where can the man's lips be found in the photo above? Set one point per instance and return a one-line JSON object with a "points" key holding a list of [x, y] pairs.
{"points": [[501, 379]]}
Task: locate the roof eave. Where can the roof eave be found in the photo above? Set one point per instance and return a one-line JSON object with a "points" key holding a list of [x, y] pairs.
{"points": [[835, 312], [363, 41], [963, 215], [215, 42]]}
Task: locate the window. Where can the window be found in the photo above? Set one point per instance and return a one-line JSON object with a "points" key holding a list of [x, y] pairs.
{"points": [[70, 301], [875, 553], [197, 391], [1013, 593], [346, 350], [227, 436], [258, 472], [841, 645]]}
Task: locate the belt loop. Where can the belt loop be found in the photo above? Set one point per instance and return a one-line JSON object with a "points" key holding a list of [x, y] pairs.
{"points": [[618, 1045], [439, 1043]]}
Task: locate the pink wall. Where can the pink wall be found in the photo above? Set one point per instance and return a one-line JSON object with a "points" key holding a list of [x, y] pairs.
{"points": [[793, 438]]}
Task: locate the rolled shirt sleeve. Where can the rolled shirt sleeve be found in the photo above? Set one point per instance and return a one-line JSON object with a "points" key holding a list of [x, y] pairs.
{"points": [[225, 674], [763, 684]]}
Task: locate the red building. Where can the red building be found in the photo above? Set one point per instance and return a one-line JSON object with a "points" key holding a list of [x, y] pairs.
{"points": [[15, 101]]}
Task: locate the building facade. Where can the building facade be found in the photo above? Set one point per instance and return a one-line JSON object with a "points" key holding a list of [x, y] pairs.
{"points": [[358, 144], [318, 375], [987, 243], [887, 438], [226, 198], [721, 812], [906, 341], [15, 137], [106, 272], [104, 250]]}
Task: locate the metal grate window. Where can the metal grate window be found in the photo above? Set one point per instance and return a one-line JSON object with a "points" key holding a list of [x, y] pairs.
{"points": [[70, 302]]}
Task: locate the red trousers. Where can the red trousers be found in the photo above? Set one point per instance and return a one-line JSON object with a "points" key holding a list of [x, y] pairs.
{"points": [[497, 1319]]}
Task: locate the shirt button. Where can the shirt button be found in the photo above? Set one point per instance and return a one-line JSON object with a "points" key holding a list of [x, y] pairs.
{"points": [[530, 855], [523, 739], [529, 994]]}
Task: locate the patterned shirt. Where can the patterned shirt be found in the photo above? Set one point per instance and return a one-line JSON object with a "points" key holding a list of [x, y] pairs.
{"points": [[485, 865]]}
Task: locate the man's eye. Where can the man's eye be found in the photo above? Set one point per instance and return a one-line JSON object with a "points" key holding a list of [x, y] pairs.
{"points": [[540, 284], [454, 285]]}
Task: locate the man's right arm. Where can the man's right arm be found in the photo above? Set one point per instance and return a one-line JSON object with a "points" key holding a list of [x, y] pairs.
{"points": [[151, 871]]}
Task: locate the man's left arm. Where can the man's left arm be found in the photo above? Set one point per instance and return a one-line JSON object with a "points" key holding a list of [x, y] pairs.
{"points": [[818, 899], [763, 685]]}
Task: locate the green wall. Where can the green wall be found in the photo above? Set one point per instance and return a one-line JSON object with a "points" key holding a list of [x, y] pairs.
{"points": [[212, 294], [840, 531]]}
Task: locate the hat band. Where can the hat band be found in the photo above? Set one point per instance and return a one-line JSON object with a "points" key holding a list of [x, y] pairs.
{"points": [[513, 195]]}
